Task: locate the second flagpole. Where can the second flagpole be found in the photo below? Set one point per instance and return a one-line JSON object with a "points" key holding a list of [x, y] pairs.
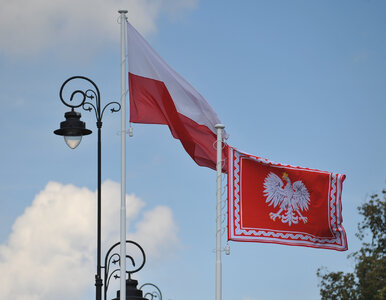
{"points": [[220, 128]]}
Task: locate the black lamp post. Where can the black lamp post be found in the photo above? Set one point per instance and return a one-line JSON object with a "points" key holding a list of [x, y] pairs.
{"points": [[73, 129]]}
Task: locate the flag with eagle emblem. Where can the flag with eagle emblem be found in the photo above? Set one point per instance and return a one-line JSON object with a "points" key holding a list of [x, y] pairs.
{"points": [[271, 202]]}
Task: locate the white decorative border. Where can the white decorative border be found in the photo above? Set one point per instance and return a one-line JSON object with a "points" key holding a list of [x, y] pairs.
{"points": [[237, 233]]}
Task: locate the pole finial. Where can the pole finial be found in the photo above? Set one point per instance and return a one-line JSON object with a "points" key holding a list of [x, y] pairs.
{"points": [[123, 11], [219, 126]]}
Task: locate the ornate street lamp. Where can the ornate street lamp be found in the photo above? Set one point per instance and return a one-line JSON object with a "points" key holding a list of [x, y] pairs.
{"points": [[73, 129]]}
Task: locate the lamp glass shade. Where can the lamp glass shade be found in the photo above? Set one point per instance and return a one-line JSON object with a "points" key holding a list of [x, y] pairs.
{"points": [[72, 141]]}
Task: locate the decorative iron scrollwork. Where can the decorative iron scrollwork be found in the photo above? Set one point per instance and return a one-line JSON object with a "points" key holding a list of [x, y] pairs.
{"points": [[154, 294], [113, 263], [86, 99]]}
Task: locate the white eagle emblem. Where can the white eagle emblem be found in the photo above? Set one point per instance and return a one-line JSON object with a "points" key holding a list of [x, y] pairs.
{"points": [[291, 199]]}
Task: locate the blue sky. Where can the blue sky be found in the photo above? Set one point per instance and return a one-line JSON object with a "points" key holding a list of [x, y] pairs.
{"points": [[299, 82]]}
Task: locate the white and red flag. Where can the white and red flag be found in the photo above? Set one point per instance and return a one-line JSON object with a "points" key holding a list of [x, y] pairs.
{"points": [[275, 203], [159, 95]]}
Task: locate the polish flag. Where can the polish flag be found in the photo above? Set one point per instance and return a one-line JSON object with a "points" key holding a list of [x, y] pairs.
{"points": [[159, 95], [271, 202]]}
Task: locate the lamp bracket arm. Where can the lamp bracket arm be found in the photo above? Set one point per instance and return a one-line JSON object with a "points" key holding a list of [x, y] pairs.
{"points": [[113, 109], [85, 94]]}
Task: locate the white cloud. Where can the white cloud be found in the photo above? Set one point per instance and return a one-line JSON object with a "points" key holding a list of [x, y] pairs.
{"points": [[50, 253], [156, 225], [28, 27]]}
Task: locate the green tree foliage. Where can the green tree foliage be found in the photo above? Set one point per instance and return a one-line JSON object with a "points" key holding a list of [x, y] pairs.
{"points": [[368, 280]]}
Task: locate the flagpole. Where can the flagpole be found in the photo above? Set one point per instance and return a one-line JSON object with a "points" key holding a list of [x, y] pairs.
{"points": [[219, 128], [123, 158]]}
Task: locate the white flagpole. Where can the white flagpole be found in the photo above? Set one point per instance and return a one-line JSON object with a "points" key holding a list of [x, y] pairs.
{"points": [[219, 128], [123, 157]]}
